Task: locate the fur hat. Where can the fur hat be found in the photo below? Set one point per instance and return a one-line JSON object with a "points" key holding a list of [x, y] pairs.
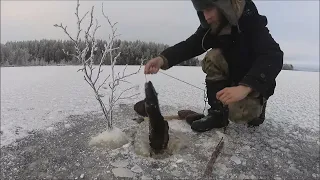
{"points": [[231, 9]]}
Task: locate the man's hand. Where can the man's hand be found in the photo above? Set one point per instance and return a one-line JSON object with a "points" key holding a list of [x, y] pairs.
{"points": [[233, 94], [153, 66]]}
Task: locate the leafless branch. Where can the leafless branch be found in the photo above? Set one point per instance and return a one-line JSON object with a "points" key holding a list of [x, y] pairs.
{"points": [[103, 83], [213, 158], [87, 64], [65, 30], [124, 92]]}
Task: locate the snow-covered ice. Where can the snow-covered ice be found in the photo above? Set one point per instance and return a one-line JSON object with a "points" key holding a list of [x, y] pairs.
{"points": [[58, 102], [36, 97]]}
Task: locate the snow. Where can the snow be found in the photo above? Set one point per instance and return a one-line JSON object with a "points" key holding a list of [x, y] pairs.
{"points": [[58, 101], [36, 97], [110, 139]]}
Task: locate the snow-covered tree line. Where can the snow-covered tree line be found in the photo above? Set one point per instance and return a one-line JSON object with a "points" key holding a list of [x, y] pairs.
{"points": [[49, 52]]}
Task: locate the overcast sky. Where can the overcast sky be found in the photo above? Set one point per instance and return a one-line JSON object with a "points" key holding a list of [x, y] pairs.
{"points": [[294, 24]]}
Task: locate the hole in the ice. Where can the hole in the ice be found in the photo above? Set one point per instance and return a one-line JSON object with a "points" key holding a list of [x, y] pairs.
{"points": [[177, 142]]}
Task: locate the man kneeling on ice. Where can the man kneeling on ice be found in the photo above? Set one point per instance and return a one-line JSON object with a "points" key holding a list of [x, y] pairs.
{"points": [[240, 68]]}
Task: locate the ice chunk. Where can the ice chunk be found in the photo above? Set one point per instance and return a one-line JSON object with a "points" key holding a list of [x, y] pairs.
{"points": [[146, 178], [235, 159], [179, 161], [81, 176], [246, 148], [50, 129], [67, 125], [126, 145], [174, 165], [176, 173], [122, 172], [121, 163], [136, 169]]}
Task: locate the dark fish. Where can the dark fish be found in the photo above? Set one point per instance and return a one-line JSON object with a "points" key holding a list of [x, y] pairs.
{"points": [[158, 127]]}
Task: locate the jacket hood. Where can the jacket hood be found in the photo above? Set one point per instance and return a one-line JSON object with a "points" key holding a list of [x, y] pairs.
{"points": [[231, 9]]}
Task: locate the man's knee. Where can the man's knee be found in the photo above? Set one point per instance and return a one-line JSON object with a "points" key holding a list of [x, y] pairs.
{"points": [[215, 65], [245, 110]]}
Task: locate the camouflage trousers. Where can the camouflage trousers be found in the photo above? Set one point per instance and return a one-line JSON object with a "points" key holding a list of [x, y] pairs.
{"points": [[216, 68]]}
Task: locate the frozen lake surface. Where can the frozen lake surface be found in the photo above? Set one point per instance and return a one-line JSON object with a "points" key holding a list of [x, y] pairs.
{"points": [[37, 98]]}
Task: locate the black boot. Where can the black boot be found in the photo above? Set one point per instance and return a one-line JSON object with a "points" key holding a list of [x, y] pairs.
{"points": [[214, 119], [217, 114], [259, 120]]}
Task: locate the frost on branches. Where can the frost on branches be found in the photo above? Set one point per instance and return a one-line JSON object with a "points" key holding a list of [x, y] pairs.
{"points": [[92, 73]]}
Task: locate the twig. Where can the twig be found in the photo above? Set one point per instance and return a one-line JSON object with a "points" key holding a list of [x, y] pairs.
{"points": [[213, 158], [87, 63], [103, 83]]}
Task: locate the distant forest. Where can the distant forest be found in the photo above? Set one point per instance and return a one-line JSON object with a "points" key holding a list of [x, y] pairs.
{"points": [[49, 52]]}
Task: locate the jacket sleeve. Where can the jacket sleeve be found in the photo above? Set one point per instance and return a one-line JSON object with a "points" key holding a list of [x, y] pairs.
{"points": [[184, 50], [268, 57]]}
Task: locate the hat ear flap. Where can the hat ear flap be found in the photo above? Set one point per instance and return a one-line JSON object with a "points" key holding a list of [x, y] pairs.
{"points": [[202, 19]]}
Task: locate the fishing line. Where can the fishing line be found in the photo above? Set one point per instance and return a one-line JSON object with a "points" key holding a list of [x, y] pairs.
{"points": [[181, 80], [204, 91], [145, 76]]}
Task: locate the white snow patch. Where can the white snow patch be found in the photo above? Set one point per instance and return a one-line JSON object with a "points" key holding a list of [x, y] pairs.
{"points": [[112, 139], [180, 125]]}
